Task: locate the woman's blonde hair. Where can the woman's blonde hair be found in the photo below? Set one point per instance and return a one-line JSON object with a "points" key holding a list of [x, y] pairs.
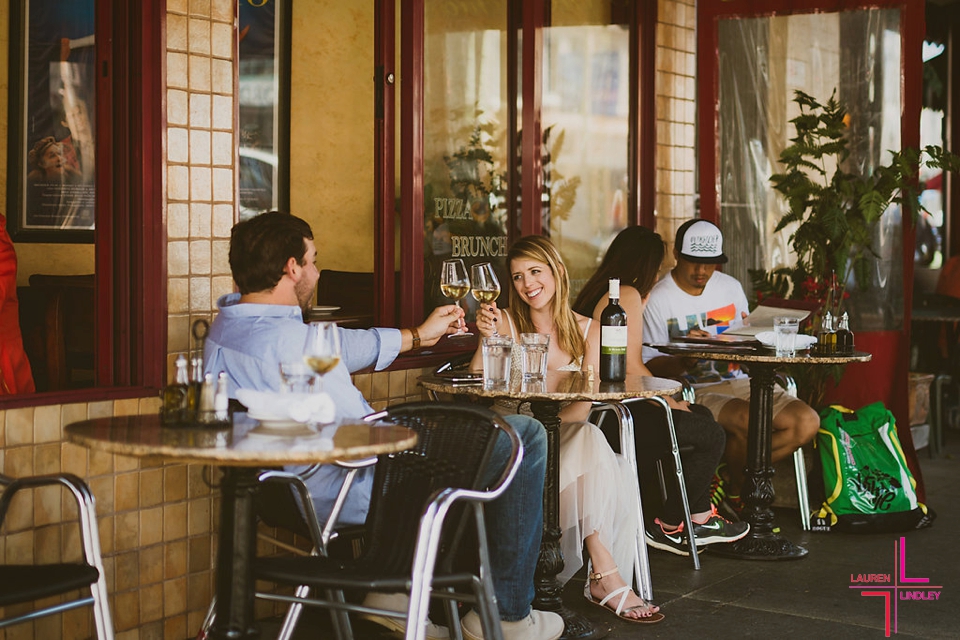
{"points": [[539, 248]]}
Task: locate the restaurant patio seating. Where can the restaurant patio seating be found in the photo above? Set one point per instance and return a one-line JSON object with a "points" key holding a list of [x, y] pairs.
{"points": [[24, 583], [420, 511]]}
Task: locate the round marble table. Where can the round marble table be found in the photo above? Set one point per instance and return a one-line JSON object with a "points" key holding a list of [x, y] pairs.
{"points": [[762, 543], [545, 398], [242, 449]]}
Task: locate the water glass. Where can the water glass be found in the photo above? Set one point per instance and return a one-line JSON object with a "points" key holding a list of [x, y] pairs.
{"points": [[496, 361], [785, 336], [296, 377], [533, 349]]}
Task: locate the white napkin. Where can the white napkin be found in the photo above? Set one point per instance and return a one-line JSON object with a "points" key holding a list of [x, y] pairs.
{"points": [[769, 338], [298, 407]]}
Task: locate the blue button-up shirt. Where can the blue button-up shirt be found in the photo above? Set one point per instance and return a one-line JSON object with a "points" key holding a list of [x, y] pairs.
{"points": [[249, 341]]}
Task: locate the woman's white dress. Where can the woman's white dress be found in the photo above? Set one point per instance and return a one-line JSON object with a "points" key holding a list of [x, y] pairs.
{"points": [[598, 493]]}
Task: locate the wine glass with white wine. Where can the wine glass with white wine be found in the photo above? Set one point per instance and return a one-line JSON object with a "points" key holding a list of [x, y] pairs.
{"points": [[321, 351], [484, 284], [454, 283]]}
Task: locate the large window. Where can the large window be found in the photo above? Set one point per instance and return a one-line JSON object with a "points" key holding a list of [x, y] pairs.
{"points": [[514, 118], [128, 291]]}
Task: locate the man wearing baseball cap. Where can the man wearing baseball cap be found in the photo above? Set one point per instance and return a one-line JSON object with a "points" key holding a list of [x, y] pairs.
{"points": [[697, 300]]}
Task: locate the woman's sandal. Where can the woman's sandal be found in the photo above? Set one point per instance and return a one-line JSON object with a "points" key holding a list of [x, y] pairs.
{"points": [[623, 592]]}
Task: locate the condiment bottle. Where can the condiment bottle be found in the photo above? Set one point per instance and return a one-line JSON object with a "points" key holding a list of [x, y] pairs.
{"points": [[826, 336], [175, 395], [844, 335], [221, 401]]}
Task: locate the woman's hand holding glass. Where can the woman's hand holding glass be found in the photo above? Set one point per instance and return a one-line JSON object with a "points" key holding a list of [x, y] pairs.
{"points": [[489, 318], [484, 285]]}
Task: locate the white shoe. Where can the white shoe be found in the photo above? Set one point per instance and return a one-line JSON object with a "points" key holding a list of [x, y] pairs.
{"points": [[398, 602], [539, 625]]}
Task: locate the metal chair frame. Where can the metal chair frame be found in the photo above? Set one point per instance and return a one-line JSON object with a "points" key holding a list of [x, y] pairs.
{"points": [[90, 542], [320, 538], [421, 578]]}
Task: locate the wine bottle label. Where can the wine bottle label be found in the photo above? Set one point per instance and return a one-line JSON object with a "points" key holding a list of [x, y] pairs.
{"points": [[613, 340]]}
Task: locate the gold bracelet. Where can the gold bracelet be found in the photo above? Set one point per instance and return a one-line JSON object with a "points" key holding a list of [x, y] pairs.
{"points": [[416, 337]]}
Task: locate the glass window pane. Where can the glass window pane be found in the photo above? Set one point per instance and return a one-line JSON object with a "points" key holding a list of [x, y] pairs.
{"points": [[763, 61], [585, 125], [465, 158]]}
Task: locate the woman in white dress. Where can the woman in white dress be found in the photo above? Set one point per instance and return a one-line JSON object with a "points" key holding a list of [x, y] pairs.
{"points": [[598, 492]]}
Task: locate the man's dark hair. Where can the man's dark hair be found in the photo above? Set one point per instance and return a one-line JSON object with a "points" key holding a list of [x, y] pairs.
{"points": [[261, 246]]}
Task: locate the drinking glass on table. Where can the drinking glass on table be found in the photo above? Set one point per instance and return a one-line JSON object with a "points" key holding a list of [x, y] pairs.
{"points": [[484, 284], [321, 351], [454, 283]]}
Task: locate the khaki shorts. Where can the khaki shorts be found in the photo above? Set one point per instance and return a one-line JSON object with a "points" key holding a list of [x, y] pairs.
{"points": [[715, 396]]}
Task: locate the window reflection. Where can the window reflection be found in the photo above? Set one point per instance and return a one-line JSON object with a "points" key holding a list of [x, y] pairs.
{"points": [[585, 115]]}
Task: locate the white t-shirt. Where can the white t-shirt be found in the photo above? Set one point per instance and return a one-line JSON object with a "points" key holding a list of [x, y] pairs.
{"points": [[671, 312]]}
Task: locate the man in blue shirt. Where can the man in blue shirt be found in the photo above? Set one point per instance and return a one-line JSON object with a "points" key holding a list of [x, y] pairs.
{"points": [[272, 259]]}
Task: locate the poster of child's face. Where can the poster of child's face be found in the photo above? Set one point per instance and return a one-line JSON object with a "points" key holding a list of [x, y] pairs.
{"points": [[58, 156]]}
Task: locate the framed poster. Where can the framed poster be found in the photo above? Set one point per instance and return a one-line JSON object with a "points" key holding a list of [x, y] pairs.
{"points": [[264, 103], [51, 158]]}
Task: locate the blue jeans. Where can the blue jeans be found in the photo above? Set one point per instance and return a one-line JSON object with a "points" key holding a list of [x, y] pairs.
{"points": [[515, 519]]}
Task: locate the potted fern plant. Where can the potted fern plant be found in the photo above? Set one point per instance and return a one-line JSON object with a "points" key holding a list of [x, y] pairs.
{"points": [[835, 210]]}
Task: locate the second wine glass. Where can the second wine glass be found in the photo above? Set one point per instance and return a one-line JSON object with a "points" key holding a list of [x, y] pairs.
{"points": [[454, 283], [321, 351], [484, 284]]}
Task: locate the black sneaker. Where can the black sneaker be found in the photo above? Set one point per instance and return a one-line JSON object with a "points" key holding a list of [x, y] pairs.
{"points": [[719, 529], [674, 541]]}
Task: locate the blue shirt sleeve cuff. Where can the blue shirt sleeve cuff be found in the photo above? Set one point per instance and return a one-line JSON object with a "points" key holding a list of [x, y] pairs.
{"points": [[390, 343]]}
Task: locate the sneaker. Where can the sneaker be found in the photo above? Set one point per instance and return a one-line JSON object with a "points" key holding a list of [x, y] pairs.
{"points": [[674, 541], [398, 602], [718, 529], [539, 625]]}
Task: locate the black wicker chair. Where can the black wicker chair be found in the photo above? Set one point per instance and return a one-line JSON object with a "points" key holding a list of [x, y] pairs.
{"points": [[32, 582], [418, 517]]}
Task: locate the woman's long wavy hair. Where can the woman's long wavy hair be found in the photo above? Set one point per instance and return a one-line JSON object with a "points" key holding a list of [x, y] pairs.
{"points": [[539, 248], [634, 257]]}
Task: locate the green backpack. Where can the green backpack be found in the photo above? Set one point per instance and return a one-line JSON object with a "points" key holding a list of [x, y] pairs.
{"points": [[867, 485]]}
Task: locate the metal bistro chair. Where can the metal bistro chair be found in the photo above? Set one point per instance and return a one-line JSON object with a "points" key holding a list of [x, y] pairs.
{"points": [[412, 537], [283, 502], [628, 450], [27, 583]]}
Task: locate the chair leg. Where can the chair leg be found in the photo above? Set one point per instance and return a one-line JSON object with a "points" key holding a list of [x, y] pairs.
{"points": [[681, 485], [641, 568], [803, 497]]}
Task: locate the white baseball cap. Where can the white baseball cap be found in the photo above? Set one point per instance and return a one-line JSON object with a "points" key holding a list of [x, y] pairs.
{"points": [[700, 241]]}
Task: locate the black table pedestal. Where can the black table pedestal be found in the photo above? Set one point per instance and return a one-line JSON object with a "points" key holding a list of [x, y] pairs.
{"points": [[550, 563], [236, 549], [761, 543]]}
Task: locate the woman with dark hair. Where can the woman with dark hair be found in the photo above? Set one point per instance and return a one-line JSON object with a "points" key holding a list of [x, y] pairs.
{"points": [[634, 257], [598, 495]]}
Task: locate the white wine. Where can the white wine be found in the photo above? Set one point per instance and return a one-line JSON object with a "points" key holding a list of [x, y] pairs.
{"points": [[485, 296], [455, 291], [322, 364], [613, 338]]}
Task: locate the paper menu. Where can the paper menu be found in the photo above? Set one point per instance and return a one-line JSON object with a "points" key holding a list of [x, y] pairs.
{"points": [[761, 319]]}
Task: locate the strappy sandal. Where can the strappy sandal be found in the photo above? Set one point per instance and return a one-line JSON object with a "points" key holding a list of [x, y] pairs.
{"points": [[623, 592]]}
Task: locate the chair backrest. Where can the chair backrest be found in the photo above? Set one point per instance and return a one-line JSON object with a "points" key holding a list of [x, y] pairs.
{"points": [[58, 320], [352, 291], [453, 448]]}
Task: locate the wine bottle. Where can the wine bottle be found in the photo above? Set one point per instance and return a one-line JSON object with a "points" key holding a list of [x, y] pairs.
{"points": [[613, 338]]}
